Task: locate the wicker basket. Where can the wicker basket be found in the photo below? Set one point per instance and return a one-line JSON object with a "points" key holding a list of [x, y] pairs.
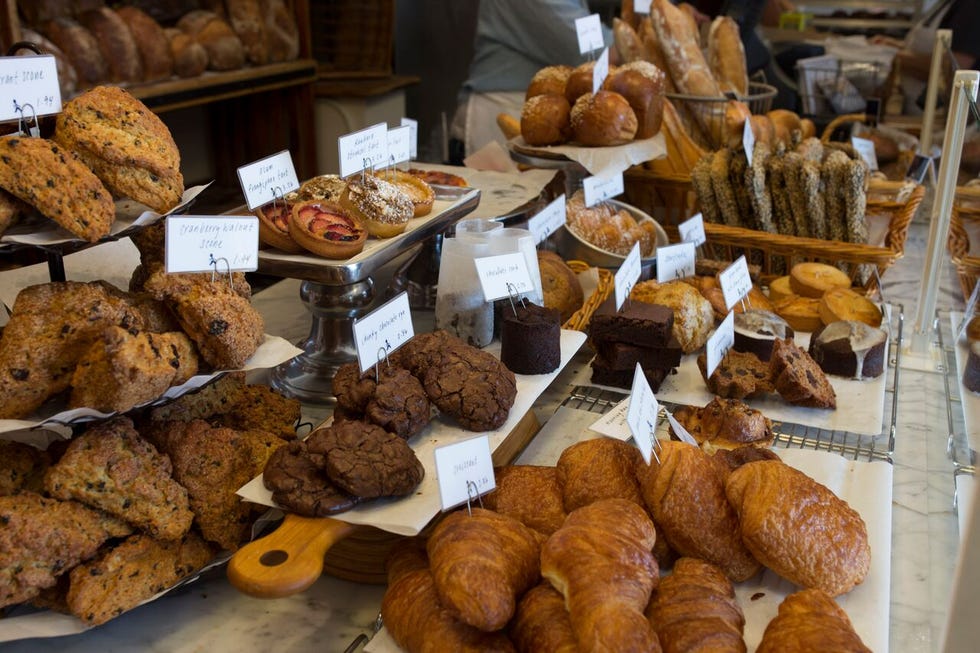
{"points": [[579, 321], [668, 200], [964, 250], [353, 38], [774, 252], [704, 117]]}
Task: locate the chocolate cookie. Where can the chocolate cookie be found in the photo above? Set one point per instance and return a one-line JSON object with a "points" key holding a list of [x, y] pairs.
{"points": [[471, 386], [365, 460], [299, 484], [424, 350], [399, 404], [352, 389]]}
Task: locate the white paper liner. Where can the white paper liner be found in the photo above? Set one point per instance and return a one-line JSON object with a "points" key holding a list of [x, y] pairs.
{"points": [[860, 403], [969, 400], [600, 161], [408, 516], [966, 485], [866, 486], [129, 213], [271, 352]]}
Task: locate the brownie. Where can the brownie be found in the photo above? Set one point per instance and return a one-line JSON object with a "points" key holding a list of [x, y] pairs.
{"points": [[755, 330], [971, 373], [530, 339], [636, 323], [300, 485], [365, 460], [798, 379], [849, 348], [603, 375], [622, 356]]}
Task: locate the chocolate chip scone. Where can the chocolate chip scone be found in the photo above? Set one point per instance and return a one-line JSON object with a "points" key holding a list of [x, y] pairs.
{"points": [[49, 177], [300, 485], [365, 460], [125, 144], [738, 375], [259, 407], [798, 379], [399, 404], [22, 467], [471, 386]]}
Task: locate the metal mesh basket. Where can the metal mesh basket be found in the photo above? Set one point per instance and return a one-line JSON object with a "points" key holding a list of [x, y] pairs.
{"points": [[704, 117], [827, 85]]}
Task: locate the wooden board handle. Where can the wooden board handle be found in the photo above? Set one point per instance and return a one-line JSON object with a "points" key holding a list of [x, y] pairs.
{"points": [[289, 559]]}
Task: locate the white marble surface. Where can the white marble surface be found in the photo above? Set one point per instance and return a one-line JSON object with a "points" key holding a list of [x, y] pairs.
{"points": [[211, 616]]}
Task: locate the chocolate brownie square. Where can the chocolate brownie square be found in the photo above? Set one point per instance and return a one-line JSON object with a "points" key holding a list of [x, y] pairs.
{"points": [[623, 356], [603, 375], [636, 323]]}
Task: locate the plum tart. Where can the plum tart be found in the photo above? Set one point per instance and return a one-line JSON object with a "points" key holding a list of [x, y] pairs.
{"points": [[274, 220], [327, 229]]}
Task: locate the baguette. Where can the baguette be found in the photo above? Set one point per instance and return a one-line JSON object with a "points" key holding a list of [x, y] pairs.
{"points": [[679, 42], [726, 56]]}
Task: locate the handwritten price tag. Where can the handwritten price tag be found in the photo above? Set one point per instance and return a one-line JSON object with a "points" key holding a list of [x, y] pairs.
{"points": [[598, 189], [720, 342], [866, 149], [627, 275], [735, 282], [501, 275], [413, 138], [692, 230], [748, 140], [600, 71], [642, 414], [613, 423], [379, 333], [29, 80], [589, 32], [675, 262], [267, 179], [361, 149], [202, 243], [464, 470], [548, 220], [399, 144]]}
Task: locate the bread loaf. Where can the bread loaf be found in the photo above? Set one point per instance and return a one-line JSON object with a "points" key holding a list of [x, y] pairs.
{"points": [[560, 285], [281, 31], [726, 56], [225, 50], [245, 17], [603, 119], [682, 54], [67, 76], [81, 49], [116, 44], [190, 57], [645, 94], [546, 120], [151, 41]]}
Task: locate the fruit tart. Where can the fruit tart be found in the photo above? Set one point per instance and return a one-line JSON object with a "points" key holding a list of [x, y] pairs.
{"points": [[326, 229], [274, 219]]}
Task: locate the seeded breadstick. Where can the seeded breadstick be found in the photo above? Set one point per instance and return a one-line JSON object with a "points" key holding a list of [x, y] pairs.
{"points": [[758, 188], [736, 177], [846, 148], [792, 162], [813, 191], [856, 200], [811, 149], [701, 180], [834, 171], [783, 214], [722, 185]]}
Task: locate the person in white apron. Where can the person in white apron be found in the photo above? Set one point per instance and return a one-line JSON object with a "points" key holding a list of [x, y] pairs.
{"points": [[514, 39]]}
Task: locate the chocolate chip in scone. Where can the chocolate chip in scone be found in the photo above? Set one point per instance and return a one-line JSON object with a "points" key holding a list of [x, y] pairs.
{"points": [[300, 485], [366, 460]]}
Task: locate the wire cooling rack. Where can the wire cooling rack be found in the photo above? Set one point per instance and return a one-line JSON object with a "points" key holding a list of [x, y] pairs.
{"points": [[854, 446]]}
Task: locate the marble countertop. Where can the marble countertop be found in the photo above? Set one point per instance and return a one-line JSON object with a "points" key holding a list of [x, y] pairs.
{"points": [[210, 615]]}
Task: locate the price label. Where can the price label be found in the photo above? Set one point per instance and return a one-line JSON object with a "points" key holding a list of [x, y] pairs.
{"points": [[679, 430], [202, 243], [413, 138], [589, 31], [692, 230], [720, 342], [379, 333], [363, 149], [675, 262], [642, 414], [642, 6], [598, 189], [548, 220], [503, 274], [866, 149], [627, 275], [919, 168], [735, 282], [748, 140], [399, 144], [267, 179], [29, 80], [464, 470], [613, 423], [600, 71]]}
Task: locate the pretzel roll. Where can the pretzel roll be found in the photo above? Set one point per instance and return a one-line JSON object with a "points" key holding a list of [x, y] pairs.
{"points": [[550, 79], [579, 81], [603, 119], [644, 94], [546, 120]]}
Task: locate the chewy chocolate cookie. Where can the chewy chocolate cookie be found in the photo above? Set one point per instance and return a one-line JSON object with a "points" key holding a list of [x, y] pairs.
{"points": [[471, 386], [300, 485], [399, 404]]}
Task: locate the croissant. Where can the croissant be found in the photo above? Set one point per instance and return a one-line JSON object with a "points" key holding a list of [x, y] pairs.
{"points": [[415, 619], [482, 561], [530, 494], [600, 468], [799, 528], [810, 621], [695, 610], [542, 624], [686, 497], [600, 561]]}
